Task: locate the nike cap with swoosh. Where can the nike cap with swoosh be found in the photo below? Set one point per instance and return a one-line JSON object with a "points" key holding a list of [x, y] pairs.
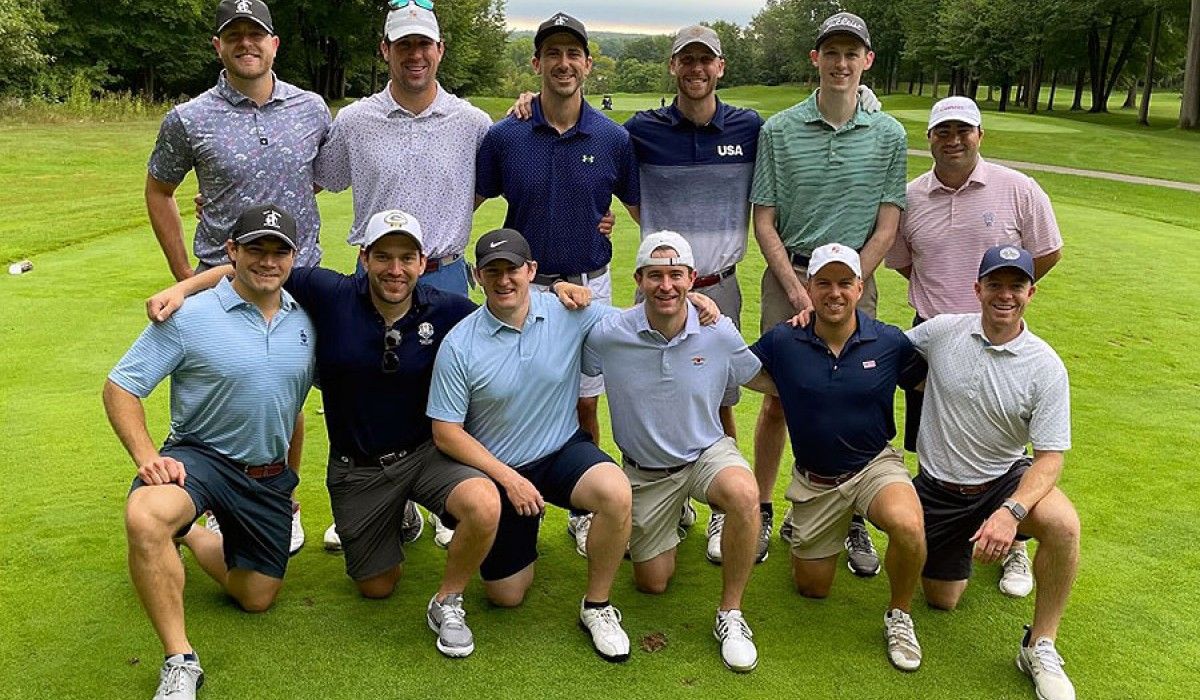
{"points": [[502, 244]]}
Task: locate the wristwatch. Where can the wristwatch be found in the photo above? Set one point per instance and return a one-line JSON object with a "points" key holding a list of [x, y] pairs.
{"points": [[1018, 511]]}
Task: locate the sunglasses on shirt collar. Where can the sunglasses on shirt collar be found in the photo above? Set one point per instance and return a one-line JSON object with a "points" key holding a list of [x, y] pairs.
{"points": [[423, 4], [391, 341]]}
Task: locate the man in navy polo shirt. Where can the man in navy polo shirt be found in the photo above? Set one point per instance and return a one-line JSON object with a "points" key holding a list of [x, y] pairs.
{"points": [[240, 359], [837, 379]]}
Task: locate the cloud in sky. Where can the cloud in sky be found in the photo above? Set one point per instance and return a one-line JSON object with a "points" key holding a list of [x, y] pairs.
{"points": [[656, 17]]}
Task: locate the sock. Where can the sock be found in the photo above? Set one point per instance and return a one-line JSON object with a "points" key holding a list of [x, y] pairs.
{"points": [[858, 519], [189, 656], [589, 605], [767, 509]]}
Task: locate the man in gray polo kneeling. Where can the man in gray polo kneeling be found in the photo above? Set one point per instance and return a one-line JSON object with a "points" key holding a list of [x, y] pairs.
{"points": [[659, 360]]}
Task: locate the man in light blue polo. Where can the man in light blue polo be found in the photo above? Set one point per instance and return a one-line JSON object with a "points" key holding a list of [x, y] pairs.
{"points": [[660, 361], [502, 400], [240, 358]]}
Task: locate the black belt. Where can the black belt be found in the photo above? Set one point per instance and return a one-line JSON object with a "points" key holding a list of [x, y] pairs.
{"points": [[715, 278], [547, 279], [384, 460], [660, 470]]}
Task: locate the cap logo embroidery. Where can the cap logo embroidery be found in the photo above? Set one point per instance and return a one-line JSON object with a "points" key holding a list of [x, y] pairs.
{"points": [[396, 218], [425, 333], [271, 218], [243, 6], [560, 20], [493, 244], [1010, 253]]}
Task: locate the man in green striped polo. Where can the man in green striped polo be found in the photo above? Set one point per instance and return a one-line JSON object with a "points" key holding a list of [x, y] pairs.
{"points": [[827, 171]]}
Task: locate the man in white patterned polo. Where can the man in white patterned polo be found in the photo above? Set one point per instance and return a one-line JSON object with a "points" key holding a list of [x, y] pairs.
{"points": [[956, 211], [993, 389]]}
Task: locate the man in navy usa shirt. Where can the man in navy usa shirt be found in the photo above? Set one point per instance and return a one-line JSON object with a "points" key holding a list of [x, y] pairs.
{"points": [[837, 379]]}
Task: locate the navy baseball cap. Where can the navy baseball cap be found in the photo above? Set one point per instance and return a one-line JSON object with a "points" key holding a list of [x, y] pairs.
{"points": [[502, 244], [1002, 256]]}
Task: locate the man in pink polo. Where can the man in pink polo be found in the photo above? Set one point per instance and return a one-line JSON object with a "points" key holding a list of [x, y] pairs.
{"points": [[956, 212]]}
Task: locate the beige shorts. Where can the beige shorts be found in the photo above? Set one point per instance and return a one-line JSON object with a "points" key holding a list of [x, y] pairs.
{"points": [[658, 497], [821, 514], [775, 307], [601, 286]]}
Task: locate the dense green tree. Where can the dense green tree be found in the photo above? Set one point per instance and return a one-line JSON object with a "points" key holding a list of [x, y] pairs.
{"points": [[739, 54], [22, 29]]}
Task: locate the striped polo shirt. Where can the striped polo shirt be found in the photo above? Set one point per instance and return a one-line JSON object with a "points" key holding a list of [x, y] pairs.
{"points": [[827, 183], [558, 186], [695, 179], [237, 382], [944, 233], [422, 163], [984, 403], [244, 155]]}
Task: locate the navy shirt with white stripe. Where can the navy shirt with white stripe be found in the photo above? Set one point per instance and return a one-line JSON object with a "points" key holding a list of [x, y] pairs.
{"points": [[558, 186], [368, 412], [839, 409], [695, 178]]}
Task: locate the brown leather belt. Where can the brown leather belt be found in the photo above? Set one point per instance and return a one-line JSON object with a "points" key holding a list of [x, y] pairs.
{"points": [[715, 278], [262, 471], [964, 489], [432, 264], [830, 481]]}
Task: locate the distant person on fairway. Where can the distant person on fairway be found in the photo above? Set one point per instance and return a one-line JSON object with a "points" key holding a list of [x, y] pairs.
{"points": [[827, 171], [559, 171], [240, 360], [956, 211], [667, 376], [995, 388], [502, 401], [377, 336], [251, 140], [836, 378]]}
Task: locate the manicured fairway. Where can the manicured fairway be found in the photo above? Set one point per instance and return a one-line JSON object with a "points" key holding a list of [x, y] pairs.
{"points": [[1119, 308]]}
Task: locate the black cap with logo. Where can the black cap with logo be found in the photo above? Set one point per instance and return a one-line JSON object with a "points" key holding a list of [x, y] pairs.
{"points": [[502, 244], [266, 220], [254, 10], [844, 23], [561, 22]]}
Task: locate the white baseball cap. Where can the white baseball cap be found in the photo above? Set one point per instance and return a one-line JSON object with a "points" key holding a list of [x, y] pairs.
{"points": [[411, 20], [831, 253], [955, 109], [393, 221], [664, 239]]}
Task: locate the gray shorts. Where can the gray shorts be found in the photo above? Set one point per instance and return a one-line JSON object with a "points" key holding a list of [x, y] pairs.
{"points": [[776, 308], [368, 503]]}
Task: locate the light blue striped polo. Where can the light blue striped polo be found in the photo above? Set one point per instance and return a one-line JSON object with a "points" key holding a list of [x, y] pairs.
{"points": [[827, 183], [664, 395], [237, 382], [514, 390]]}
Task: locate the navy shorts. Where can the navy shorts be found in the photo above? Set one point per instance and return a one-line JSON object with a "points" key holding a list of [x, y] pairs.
{"points": [[555, 477], [952, 518], [255, 514]]}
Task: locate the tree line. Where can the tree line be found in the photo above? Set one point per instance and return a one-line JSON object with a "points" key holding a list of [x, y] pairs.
{"points": [[1092, 48]]}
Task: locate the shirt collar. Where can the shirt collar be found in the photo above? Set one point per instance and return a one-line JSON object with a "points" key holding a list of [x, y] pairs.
{"points": [[279, 90], [587, 115], [810, 112], [865, 332], [978, 176], [435, 108], [537, 311], [231, 300], [678, 119], [1012, 347], [690, 326]]}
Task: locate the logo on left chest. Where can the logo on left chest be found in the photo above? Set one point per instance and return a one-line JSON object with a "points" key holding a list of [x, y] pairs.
{"points": [[425, 333], [730, 150]]}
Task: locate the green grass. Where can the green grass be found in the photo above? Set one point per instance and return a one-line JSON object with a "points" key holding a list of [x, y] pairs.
{"points": [[1118, 308]]}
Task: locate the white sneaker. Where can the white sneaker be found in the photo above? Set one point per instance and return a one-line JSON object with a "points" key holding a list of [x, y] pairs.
{"points": [[604, 626], [441, 534], [577, 527], [1042, 663], [210, 523], [687, 517], [716, 523], [1017, 579], [737, 649], [297, 531], [179, 679], [903, 649], [333, 541], [449, 620], [412, 524]]}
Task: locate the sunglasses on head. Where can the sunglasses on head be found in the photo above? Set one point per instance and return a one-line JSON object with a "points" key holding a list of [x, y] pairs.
{"points": [[423, 4], [391, 341]]}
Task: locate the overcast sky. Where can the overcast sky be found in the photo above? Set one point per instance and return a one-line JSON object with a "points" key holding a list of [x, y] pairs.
{"points": [[644, 16]]}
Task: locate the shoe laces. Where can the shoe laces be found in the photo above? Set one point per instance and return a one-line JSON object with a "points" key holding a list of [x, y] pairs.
{"points": [[453, 614], [607, 617], [1047, 657], [583, 525], [1016, 562], [716, 523], [731, 623], [860, 540], [900, 629], [177, 678]]}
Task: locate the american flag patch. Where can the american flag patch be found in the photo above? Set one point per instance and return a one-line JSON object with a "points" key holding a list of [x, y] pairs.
{"points": [[869, 364]]}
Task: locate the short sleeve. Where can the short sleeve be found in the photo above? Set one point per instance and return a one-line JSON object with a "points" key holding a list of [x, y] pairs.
{"points": [[449, 394], [157, 352], [900, 254], [171, 159], [762, 191], [895, 186], [629, 188], [331, 170], [926, 334], [1050, 424], [1039, 228], [763, 349], [591, 364], [743, 364], [489, 180]]}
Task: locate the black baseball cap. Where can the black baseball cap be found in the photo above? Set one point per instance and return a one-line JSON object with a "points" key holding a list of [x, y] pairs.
{"points": [[502, 244], [844, 23], [1002, 256], [262, 221], [561, 22], [254, 10]]}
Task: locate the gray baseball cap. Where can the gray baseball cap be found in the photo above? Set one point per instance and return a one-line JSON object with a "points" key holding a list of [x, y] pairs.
{"points": [[844, 23], [696, 34]]}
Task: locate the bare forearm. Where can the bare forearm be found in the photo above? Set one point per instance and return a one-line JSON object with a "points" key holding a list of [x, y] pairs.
{"points": [[887, 221], [204, 280], [635, 212], [779, 261], [1043, 264], [168, 228], [1039, 479], [762, 383], [128, 420], [453, 440]]}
